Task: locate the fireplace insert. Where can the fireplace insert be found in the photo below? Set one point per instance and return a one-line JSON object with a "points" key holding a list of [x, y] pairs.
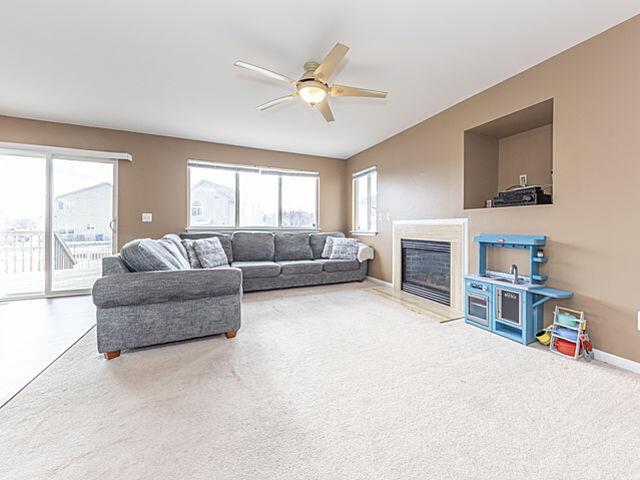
{"points": [[426, 269]]}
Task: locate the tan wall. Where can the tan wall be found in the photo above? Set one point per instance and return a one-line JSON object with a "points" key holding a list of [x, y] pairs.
{"points": [[528, 152], [592, 226], [481, 169], [156, 180]]}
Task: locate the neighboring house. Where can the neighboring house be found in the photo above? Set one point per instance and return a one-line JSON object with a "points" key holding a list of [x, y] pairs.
{"points": [[212, 204], [85, 214]]}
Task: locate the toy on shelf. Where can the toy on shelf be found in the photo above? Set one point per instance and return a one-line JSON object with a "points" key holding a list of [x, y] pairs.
{"points": [[569, 336]]}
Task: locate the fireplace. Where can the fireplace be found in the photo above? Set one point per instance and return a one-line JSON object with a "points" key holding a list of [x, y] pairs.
{"points": [[426, 269]]}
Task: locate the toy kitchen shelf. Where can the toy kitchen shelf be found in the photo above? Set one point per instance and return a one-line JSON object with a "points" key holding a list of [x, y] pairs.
{"points": [[507, 304]]}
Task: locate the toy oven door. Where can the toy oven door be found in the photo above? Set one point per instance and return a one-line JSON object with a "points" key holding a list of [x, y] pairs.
{"points": [[478, 309], [508, 306]]}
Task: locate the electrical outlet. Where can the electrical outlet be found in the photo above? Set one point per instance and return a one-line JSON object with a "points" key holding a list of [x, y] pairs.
{"points": [[523, 180], [147, 217]]}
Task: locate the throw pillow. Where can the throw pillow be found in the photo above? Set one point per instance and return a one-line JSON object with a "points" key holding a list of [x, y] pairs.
{"points": [[148, 255], [317, 241], [328, 247], [191, 253], [170, 246], [210, 252], [225, 240], [175, 239], [344, 249]]}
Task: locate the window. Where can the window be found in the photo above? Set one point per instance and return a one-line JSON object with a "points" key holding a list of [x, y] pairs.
{"points": [[233, 196], [365, 193], [213, 191], [196, 207], [299, 201], [258, 199]]}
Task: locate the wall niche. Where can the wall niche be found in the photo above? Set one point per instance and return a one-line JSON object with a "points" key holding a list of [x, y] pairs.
{"points": [[498, 152]]}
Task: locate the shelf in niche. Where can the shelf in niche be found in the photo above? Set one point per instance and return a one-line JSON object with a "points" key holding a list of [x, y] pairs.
{"points": [[497, 152]]}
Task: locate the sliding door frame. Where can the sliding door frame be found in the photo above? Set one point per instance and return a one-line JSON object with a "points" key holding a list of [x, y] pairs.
{"points": [[50, 154], [49, 292]]}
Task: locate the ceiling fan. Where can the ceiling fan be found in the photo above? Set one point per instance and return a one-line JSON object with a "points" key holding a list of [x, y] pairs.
{"points": [[312, 87]]}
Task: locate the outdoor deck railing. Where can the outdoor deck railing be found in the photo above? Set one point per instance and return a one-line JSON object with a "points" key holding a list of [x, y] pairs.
{"points": [[22, 251]]}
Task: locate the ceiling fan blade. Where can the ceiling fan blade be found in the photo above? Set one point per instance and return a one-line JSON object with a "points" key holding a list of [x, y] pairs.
{"points": [[325, 110], [331, 61], [277, 101], [265, 71], [346, 91]]}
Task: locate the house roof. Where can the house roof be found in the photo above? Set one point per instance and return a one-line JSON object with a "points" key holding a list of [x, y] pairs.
{"points": [[223, 190], [82, 190]]}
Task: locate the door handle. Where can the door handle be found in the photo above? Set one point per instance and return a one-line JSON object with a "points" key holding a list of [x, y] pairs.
{"points": [[112, 225]]}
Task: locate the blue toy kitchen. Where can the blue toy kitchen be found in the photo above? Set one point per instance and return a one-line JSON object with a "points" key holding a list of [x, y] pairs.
{"points": [[507, 303]]}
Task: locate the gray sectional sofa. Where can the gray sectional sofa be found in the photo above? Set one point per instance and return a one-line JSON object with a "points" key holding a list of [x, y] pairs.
{"points": [[270, 261], [136, 309]]}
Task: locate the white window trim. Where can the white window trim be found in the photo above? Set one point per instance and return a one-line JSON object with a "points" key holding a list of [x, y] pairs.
{"points": [[257, 169], [17, 149], [370, 232]]}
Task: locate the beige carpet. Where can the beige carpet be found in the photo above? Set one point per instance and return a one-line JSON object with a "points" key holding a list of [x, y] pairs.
{"points": [[325, 383]]}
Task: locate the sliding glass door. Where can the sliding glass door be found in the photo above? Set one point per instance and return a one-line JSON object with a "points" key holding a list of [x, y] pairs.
{"points": [[82, 222], [23, 197], [57, 222]]}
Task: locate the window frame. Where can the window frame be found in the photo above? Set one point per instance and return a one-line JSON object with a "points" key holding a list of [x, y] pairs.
{"points": [[370, 230], [256, 169]]}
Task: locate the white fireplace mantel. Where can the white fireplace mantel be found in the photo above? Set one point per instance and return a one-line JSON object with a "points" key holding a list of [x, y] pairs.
{"points": [[452, 230]]}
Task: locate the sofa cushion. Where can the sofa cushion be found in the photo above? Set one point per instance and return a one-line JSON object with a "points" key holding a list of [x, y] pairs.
{"points": [[344, 249], [292, 246], [253, 246], [225, 241], [338, 265], [192, 256], [210, 252], [147, 255], [221, 267], [175, 239], [258, 269], [300, 266], [317, 241]]}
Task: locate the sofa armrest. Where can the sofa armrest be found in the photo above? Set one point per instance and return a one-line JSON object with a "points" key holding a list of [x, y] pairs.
{"points": [[365, 252], [112, 265], [143, 288]]}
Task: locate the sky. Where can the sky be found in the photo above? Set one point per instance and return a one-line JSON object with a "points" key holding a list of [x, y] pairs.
{"points": [[23, 182]]}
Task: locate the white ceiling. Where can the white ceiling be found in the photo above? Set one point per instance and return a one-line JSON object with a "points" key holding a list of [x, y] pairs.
{"points": [[166, 67]]}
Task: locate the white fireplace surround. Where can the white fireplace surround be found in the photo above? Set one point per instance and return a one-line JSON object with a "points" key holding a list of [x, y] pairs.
{"points": [[435, 230]]}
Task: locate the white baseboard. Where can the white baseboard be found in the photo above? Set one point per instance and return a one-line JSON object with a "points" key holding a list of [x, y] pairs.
{"points": [[616, 361], [381, 282]]}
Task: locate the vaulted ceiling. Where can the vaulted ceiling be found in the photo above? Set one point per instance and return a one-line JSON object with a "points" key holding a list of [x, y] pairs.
{"points": [[166, 67]]}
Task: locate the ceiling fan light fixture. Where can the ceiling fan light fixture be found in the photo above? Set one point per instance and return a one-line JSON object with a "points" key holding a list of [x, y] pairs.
{"points": [[313, 86], [312, 92]]}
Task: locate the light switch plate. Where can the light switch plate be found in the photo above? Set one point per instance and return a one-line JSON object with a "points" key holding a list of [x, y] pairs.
{"points": [[147, 217]]}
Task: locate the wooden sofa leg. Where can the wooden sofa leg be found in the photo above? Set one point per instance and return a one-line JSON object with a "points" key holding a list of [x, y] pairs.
{"points": [[230, 334], [112, 355]]}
